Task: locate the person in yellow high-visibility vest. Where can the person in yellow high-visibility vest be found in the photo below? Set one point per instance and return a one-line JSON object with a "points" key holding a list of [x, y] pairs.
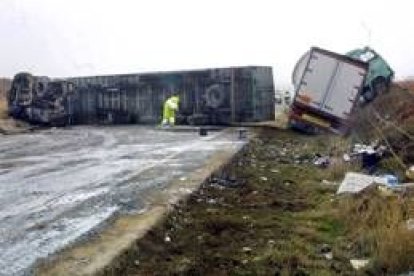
{"points": [[169, 110]]}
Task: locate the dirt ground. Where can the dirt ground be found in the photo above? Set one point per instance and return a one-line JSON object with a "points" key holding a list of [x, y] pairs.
{"points": [[273, 212]]}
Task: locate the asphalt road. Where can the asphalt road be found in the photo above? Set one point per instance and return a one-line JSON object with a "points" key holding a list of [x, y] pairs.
{"points": [[58, 185]]}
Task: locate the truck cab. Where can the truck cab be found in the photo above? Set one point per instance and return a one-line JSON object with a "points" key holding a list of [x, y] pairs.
{"points": [[379, 75]]}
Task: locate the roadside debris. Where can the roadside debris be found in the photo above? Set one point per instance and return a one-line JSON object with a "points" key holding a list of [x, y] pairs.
{"points": [[203, 131], [212, 201], [225, 181], [167, 238], [326, 251], [328, 255], [328, 183], [246, 249], [385, 191], [356, 182], [359, 264], [410, 224], [410, 173], [321, 161], [368, 155], [346, 157], [387, 179], [242, 133]]}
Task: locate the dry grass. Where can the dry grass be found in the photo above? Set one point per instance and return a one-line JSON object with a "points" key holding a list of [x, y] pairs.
{"points": [[377, 226], [3, 108], [407, 84], [376, 223], [9, 125]]}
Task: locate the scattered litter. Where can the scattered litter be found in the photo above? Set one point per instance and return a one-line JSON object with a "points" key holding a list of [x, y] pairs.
{"points": [[410, 173], [245, 261], [328, 183], [326, 251], [358, 264], [211, 201], [410, 224], [136, 262], [288, 182], [264, 178], [385, 191], [167, 239], [225, 181], [356, 182], [387, 179], [246, 249], [242, 133], [361, 148], [185, 190], [203, 131], [183, 178], [372, 148], [346, 157], [369, 155], [321, 161], [325, 248], [370, 162], [328, 256], [275, 171]]}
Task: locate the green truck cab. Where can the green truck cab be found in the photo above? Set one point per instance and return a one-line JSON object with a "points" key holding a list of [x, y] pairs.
{"points": [[379, 75]]}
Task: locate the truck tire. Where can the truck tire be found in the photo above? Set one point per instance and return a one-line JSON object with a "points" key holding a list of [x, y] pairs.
{"points": [[214, 96], [380, 85], [41, 86], [22, 82], [369, 94]]}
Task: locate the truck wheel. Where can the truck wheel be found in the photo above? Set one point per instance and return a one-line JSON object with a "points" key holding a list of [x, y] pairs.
{"points": [[41, 86], [380, 85], [369, 94], [214, 96]]}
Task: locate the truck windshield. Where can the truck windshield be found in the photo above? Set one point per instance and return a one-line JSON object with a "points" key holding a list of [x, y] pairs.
{"points": [[367, 56]]}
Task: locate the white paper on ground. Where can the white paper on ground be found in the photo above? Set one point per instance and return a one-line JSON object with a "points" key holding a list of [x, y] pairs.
{"points": [[355, 182]]}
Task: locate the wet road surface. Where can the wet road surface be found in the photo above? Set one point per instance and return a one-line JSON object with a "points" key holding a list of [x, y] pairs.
{"points": [[58, 185]]}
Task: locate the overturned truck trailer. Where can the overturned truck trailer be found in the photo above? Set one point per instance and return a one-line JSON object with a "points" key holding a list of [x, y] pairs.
{"points": [[211, 96]]}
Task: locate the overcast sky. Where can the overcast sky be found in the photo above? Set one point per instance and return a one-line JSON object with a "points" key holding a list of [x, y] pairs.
{"points": [[90, 37]]}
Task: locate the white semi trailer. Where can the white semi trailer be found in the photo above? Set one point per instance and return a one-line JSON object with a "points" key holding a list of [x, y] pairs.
{"points": [[327, 88]]}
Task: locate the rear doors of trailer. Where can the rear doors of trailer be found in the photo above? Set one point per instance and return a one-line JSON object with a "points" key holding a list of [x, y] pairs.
{"points": [[327, 88]]}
